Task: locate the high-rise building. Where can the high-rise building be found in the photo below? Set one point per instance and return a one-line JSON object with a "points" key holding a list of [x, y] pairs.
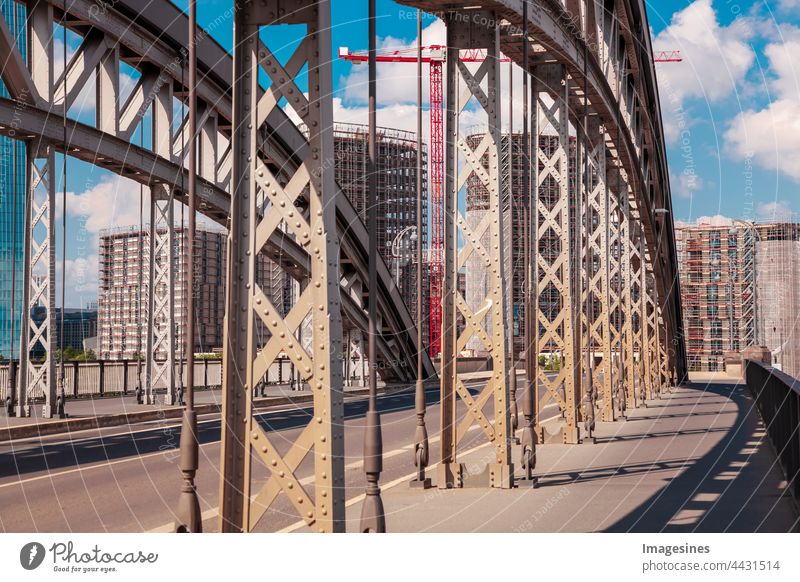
{"points": [[477, 204], [79, 325], [739, 288], [12, 207], [124, 294], [397, 200]]}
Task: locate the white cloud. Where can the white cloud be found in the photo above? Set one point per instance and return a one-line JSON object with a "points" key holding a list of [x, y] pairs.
{"points": [[715, 220], [775, 211], [771, 135], [686, 184], [396, 82], [111, 203], [716, 58]]}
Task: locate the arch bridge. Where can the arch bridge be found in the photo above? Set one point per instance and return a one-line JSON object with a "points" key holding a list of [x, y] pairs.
{"points": [[601, 274]]}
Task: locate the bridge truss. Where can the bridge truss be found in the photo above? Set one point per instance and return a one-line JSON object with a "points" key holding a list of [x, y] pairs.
{"points": [[604, 303]]}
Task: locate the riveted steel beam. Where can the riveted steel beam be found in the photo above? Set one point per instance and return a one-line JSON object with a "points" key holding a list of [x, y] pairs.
{"points": [[600, 271], [245, 360], [482, 235], [39, 252], [556, 297], [161, 331]]}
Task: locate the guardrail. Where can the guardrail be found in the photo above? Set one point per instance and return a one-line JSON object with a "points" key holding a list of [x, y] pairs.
{"points": [[100, 378], [777, 396]]}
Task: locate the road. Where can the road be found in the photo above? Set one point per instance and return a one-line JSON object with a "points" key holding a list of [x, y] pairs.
{"points": [[125, 479]]}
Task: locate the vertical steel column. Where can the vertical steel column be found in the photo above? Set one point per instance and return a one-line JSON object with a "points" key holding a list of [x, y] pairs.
{"points": [[473, 30], [528, 439], [260, 204], [600, 258], [637, 316], [448, 473], [40, 253], [628, 278], [160, 367], [556, 294], [615, 408]]}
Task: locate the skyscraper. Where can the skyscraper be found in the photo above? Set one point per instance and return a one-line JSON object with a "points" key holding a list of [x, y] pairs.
{"points": [[12, 206]]}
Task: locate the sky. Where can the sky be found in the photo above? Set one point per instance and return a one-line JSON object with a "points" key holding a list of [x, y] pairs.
{"points": [[731, 111]]}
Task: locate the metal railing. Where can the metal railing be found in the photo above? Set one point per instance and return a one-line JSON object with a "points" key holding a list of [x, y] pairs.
{"points": [[777, 396], [111, 377]]}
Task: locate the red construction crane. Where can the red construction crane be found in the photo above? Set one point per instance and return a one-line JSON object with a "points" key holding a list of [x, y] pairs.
{"points": [[435, 55]]}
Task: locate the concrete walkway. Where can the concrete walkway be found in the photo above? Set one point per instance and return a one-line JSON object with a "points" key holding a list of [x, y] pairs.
{"points": [[697, 460]]}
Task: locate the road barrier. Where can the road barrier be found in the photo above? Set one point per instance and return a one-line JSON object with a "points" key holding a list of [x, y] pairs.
{"points": [[777, 396]]}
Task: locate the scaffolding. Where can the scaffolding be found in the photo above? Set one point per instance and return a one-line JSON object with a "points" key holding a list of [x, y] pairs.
{"points": [[778, 292], [397, 200], [739, 288], [123, 251]]}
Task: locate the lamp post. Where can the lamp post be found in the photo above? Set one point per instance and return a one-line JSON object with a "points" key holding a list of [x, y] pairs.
{"points": [[397, 253], [188, 514], [421, 432], [372, 516]]}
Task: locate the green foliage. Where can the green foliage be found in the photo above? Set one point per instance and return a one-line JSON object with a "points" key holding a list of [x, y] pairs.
{"points": [[70, 354]]}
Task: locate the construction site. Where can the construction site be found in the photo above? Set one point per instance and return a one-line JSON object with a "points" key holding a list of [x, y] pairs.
{"points": [[397, 200], [124, 295], [738, 290], [515, 217]]}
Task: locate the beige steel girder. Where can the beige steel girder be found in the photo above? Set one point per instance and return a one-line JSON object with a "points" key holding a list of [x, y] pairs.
{"points": [[39, 284], [627, 302], [637, 267], [160, 366], [161, 331], [482, 238], [39, 253], [600, 270], [556, 297], [613, 408], [255, 187]]}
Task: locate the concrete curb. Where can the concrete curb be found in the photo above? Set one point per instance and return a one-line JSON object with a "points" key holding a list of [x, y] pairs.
{"points": [[69, 425]]}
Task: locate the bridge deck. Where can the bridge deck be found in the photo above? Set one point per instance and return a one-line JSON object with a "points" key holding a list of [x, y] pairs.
{"points": [[697, 460]]}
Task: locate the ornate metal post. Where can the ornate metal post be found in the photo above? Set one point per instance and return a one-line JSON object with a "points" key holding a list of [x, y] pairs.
{"points": [[421, 450], [372, 517], [189, 518]]}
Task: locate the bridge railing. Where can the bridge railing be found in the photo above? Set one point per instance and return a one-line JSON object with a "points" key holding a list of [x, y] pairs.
{"points": [[777, 397], [113, 377]]}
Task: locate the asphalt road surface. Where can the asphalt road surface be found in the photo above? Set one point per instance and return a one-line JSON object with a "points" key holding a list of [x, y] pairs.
{"points": [[124, 479]]}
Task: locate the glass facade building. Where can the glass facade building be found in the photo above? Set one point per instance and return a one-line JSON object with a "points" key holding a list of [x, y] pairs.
{"points": [[12, 207]]}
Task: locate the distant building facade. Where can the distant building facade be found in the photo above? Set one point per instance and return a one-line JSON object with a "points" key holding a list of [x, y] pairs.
{"points": [[124, 290], [13, 166], [740, 287], [79, 326]]}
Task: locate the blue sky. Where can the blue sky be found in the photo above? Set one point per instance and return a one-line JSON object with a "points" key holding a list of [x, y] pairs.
{"points": [[731, 110]]}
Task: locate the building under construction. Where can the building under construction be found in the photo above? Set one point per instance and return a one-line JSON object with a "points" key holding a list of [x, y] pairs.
{"points": [[397, 200], [738, 290], [124, 293], [514, 197]]}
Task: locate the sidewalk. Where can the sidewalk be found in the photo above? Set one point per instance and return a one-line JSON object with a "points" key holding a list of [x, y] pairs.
{"points": [[698, 460]]}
